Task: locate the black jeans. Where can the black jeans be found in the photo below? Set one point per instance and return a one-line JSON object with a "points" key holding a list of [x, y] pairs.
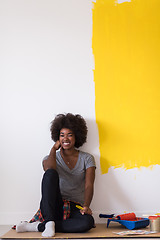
{"points": [[52, 208]]}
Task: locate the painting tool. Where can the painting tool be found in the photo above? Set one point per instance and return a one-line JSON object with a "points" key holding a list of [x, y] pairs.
{"points": [[79, 207], [126, 216], [129, 220], [106, 215]]}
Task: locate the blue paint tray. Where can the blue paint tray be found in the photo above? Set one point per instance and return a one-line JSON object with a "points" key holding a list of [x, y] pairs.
{"points": [[131, 224]]}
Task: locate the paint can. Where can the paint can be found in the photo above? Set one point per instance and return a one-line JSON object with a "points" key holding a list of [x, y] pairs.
{"points": [[154, 223]]}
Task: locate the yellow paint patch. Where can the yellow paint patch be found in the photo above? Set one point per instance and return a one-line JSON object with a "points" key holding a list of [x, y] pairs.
{"points": [[126, 48]]}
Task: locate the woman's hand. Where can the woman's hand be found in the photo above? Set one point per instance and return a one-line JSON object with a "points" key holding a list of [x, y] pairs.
{"points": [[57, 145], [86, 210]]}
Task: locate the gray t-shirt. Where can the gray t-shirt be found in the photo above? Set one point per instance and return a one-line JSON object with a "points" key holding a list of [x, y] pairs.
{"points": [[72, 181]]}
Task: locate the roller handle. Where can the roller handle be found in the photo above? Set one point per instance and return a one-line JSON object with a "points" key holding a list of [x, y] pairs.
{"points": [[106, 215]]}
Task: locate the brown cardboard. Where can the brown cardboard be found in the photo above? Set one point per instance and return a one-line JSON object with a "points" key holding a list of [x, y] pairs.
{"points": [[99, 232]]}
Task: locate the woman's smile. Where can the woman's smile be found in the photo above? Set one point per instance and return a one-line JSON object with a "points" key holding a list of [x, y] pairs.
{"points": [[66, 143]]}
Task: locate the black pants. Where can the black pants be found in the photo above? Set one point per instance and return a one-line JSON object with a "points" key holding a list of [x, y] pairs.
{"points": [[52, 208]]}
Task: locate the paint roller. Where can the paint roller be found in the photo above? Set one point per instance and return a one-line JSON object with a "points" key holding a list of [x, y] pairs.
{"points": [[126, 216]]}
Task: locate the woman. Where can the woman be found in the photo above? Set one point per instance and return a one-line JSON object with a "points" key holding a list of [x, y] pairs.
{"points": [[68, 181]]}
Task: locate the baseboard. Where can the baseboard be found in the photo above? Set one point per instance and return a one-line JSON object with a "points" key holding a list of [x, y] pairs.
{"points": [[14, 218], [11, 218]]}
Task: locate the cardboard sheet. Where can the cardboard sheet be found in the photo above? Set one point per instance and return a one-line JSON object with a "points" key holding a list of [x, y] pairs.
{"points": [[101, 231]]}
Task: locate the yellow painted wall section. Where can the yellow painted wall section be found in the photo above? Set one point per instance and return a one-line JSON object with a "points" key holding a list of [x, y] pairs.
{"points": [[126, 48]]}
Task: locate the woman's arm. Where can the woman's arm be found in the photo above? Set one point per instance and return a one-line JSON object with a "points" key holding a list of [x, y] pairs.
{"points": [[50, 162], [89, 188]]}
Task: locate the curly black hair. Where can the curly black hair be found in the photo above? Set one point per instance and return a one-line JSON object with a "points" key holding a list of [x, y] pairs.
{"points": [[76, 123]]}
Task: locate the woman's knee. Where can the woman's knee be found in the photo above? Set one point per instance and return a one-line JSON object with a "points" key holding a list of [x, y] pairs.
{"points": [[88, 222], [51, 172], [51, 175]]}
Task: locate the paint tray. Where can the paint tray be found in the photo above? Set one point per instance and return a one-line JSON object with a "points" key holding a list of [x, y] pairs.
{"points": [[131, 224]]}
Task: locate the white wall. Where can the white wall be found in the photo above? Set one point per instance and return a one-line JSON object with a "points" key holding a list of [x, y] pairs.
{"points": [[46, 67]]}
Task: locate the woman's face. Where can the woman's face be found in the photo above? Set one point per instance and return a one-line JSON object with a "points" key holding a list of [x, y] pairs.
{"points": [[67, 138]]}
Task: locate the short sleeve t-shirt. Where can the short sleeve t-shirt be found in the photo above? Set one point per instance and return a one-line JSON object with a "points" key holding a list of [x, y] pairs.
{"points": [[72, 181]]}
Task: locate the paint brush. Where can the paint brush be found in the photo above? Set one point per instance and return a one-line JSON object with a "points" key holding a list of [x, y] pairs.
{"points": [[79, 207]]}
